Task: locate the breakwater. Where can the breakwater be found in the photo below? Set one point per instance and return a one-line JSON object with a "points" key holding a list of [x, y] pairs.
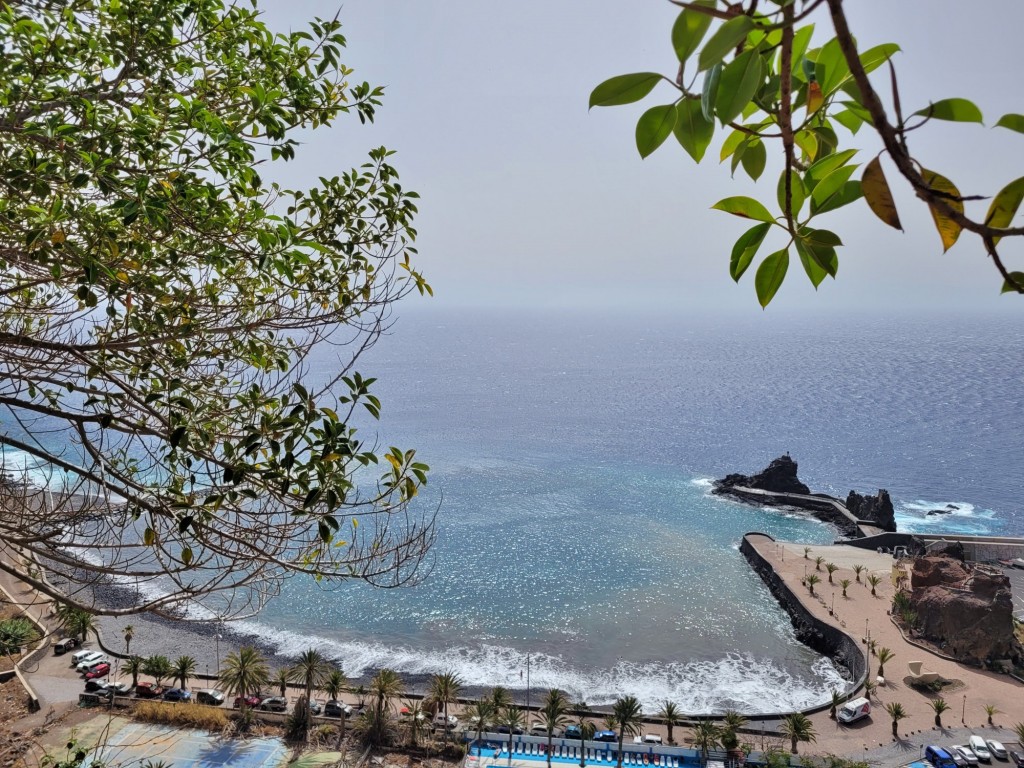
{"points": [[824, 507], [810, 630]]}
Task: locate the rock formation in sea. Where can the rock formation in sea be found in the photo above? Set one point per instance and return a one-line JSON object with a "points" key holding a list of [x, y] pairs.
{"points": [[778, 477], [877, 509], [966, 609]]}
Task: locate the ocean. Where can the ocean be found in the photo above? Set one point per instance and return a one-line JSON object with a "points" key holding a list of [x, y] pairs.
{"points": [[571, 460], [572, 456]]}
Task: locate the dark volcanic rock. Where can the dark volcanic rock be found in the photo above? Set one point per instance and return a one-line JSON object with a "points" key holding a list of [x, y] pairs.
{"points": [[875, 509], [966, 609], [778, 477]]}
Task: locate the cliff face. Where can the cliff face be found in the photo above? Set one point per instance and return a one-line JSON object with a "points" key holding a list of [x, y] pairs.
{"points": [[965, 609], [778, 477], [878, 509]]}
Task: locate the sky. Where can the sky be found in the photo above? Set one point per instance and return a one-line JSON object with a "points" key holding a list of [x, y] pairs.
{"points": [[530, 201]]}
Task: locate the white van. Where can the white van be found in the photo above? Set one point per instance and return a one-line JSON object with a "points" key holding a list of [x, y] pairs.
{"points": [[89, 660], [852, 711], [79, 656]]}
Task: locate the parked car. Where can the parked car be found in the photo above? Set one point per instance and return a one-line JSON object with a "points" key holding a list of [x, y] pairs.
{"points": [[79, 656], [210, 697], [852, 711], [335, 708], [610, 736], [965, 753], [92, 686], [504, 729], [100, 670], [980, 748], [120, 689], [996, 748], [1017, 758], [253, 700], [148, 690], [441, 722], [89, 659], [573, 732], [177, 694], [274, 704], [537, 728], [63, 646], [315, 707], [955, 756], [943, 758]]}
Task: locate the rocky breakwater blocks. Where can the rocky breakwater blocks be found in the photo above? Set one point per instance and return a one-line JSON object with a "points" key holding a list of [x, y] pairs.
{"points": [[966, 609]]}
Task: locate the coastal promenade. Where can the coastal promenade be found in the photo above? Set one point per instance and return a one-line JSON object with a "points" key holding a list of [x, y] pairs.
{"points": [[861, 616]]}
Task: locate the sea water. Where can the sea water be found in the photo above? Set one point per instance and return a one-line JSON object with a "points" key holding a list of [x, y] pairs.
{"points": [[572, 456]]}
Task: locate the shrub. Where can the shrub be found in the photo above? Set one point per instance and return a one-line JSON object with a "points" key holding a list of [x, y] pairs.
{"points": [[188, 715], [15, 634]]}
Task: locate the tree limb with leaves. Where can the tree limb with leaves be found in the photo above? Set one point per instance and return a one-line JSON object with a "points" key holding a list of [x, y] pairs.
{"points": [[161, 299], [756, 71]]}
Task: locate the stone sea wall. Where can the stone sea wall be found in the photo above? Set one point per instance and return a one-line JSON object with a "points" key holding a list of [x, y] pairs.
{"points": [[813, 632]]}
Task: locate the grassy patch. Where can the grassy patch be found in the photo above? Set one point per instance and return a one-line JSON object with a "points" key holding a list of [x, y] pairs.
{"points": [[187, 715]]}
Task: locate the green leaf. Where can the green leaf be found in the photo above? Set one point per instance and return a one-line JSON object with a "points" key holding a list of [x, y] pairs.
{"points": [[745, 207], [149, 537], [828, 164], [754, 158], [815, 272], [801, 39], [1012, 121], [186, 556], [1004, 206], [745, 249], [1018, 278], [726, 37], [624, 89], [849, 192], [740, 80], [731, 144], [875, 57], [958, 110], [830, 185], [878, 195], [830, 68], [770, 275], [819, 246], [689, 30], [797, 191], [692, 130], [807, 142], [709, 92], [848, 119], [654, 126]]}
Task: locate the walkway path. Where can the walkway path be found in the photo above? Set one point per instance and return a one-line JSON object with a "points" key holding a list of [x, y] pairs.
{"points": [[860, 614]]}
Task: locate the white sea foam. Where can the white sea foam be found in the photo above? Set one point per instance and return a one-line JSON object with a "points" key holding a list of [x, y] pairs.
{"points": [[957, 517], [703, 482]]}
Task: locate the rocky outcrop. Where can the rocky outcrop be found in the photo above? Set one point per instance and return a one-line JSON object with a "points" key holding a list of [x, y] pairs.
{"points": [[965, 609], [778, 477], [875, 509]]}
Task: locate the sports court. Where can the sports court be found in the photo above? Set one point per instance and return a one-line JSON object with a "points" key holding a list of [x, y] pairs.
{"points": [[138, 742]]}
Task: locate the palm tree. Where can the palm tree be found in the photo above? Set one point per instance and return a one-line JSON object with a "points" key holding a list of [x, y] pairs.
{"points": [[281, 679], [798, 728], [500, 698], [417, 721], [817, 562], [512, 718], [884, 655], [831, 568], [335, 683], [183, 668], [311, 670], [442, 691], [157, 667], [870, 686], [810, 581], [129, 633], [629, 715], [554, 714], [706, 735], [844, 583], [672, 716], [1018, 731], [586, 733], [897, 713], [360, 691], [78, 623], [837, 699], [940, 706], [384, 687], [732, 721], [244, 673], [481, 713], [807, 553], [991, 711], [133, 666], [858, 570], [874, 580]]}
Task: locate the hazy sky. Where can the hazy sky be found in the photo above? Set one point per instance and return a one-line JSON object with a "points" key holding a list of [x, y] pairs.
{"points": [[529, 200]]}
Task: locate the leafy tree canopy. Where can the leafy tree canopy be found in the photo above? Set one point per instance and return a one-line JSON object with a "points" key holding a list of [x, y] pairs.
{"points": [[759, 74], [160, 298]]}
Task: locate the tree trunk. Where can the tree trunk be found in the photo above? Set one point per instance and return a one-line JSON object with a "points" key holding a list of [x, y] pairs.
{"points": [[793, 750], [622, 733], [670, 739], [551, 737], [895, 728]]}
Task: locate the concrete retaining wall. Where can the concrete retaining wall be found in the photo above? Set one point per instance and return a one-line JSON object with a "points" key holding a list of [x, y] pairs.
{"points": [[810, 630]]}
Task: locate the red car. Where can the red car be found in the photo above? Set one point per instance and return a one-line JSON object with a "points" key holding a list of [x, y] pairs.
{"points": [[148, 690], [100, 670], [250, 701]]}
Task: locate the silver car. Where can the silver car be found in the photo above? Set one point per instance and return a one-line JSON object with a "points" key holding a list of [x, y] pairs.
{"points": [[966, 753]]}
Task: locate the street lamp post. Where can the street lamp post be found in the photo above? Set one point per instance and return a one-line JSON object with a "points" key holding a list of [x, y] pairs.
{"points": [[963, 713], [527, 683], [832, 610], [217, 639]]}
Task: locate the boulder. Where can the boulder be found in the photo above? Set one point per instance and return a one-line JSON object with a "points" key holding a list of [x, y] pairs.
{"points": [[777, 477], [875, 509], [964, 608]]}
